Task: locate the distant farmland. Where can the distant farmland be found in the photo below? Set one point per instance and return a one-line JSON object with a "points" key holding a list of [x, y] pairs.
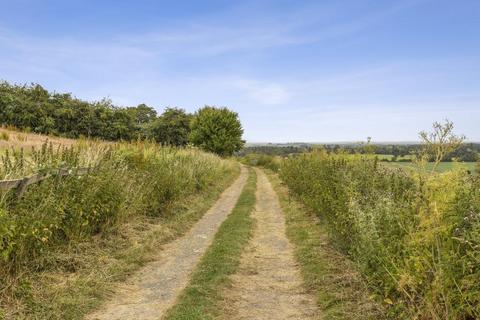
{"points": [[442, 167]]}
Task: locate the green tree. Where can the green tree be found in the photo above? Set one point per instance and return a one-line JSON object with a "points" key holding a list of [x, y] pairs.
{"points": [[217, 130], [172, 127], [143, 114], [143, 117]]}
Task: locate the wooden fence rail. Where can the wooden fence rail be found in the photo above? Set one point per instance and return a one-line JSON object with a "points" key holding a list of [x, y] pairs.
{"points": [[21, 184]]}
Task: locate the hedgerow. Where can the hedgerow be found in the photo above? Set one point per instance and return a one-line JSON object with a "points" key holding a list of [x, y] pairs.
{"points": [[414, 236], [125, 180]]}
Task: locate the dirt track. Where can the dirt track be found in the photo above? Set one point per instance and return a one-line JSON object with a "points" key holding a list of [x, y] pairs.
{"points": [[269, 284], [151, 291]]}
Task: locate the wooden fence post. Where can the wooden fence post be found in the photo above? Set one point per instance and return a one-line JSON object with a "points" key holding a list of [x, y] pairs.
{"points": [[22, 187]]}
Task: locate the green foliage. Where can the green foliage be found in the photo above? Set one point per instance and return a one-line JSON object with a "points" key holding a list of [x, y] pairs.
{"points": [[143, 116], [34, 108], [415, 237], [126, 180], [467, 152], [440, 142], [217, 130], [328, 275], [275, 149], [262, 160], [172, 127]]}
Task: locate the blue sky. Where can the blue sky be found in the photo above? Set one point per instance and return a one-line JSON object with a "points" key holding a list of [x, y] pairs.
{"points": [[315, 71]]}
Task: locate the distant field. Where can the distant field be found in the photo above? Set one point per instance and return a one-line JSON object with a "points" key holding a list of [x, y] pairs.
{"points": [[443, 166], [390, 157], [16, 139]]}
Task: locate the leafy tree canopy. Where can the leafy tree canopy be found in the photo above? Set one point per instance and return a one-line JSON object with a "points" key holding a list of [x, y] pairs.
{"points": [[217, 130], [33, 108], [172, 127]]}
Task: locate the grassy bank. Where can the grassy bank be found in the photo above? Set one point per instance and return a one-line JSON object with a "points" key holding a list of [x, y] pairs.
{"points": [[414, 236], [201, 297], [328, 275], [67, 240]]}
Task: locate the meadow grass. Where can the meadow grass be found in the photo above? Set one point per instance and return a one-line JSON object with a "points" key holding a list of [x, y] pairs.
{"points": [[99, 264], [340, 291], [67, 240], [201, 298], [412, 234]]}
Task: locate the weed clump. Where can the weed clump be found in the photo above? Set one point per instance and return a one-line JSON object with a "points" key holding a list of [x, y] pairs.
{"points": [[4, 136]]}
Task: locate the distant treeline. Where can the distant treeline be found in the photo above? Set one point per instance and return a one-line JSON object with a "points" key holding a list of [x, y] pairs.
{"points": [[33, 108], [274, 150], [467, 152]]}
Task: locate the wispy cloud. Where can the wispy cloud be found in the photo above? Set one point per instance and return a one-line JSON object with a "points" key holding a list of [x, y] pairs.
{"points": [[262, 92], [249, 57]]}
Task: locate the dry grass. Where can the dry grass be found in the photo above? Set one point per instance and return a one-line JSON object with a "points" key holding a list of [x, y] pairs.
{"points": [[79, 278], [18, 139], [147, 194]]}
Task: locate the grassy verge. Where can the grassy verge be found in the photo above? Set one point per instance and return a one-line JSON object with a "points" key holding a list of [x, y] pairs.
{"points": [[90, 269], [200, 299], [328, 275]]}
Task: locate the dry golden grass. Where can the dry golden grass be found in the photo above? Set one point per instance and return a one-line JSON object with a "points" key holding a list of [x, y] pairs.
{"points": [[10, 138]]}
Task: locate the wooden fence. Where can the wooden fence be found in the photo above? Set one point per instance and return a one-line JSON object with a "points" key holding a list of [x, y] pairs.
{"points": [[21, 184]]}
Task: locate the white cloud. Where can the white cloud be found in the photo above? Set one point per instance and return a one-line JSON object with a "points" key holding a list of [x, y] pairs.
{"points": [[262, 92], [159, 67]]}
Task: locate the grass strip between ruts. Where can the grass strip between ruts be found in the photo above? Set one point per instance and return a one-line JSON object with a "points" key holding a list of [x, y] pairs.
{"points": [[327, 274], [201, 297]]}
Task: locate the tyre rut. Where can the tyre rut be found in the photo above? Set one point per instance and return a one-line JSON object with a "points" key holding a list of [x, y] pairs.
{"points": [[152, 290]]}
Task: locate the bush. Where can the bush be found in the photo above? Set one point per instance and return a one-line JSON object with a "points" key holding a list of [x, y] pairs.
{"points": [[172, 127], [415, 237], [217, 130], [262, 160], [125, 180]]}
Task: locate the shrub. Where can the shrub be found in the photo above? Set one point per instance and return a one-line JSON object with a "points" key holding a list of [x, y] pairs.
{"points": [[172, 127], [262, 160], [217, 130], [415, 237], [125, 180]]}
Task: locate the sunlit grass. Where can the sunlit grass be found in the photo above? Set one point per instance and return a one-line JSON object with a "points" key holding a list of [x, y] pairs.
{"points": [[442, 167]]}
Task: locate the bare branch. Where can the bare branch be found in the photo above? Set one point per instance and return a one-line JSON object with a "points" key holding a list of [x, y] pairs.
{"points": [[440, 142]]}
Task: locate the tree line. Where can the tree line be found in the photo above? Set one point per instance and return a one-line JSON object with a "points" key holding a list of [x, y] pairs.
{"points": [[467, 152], [35, 109]]}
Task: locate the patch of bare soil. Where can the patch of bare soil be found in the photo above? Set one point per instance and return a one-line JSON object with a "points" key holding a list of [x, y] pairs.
{"points": [[153, 290], [269, 284]]}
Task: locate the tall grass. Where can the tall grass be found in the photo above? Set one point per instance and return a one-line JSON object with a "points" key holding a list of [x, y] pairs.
{"points": [[126, 180], [414, 236], [262, 160]]}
